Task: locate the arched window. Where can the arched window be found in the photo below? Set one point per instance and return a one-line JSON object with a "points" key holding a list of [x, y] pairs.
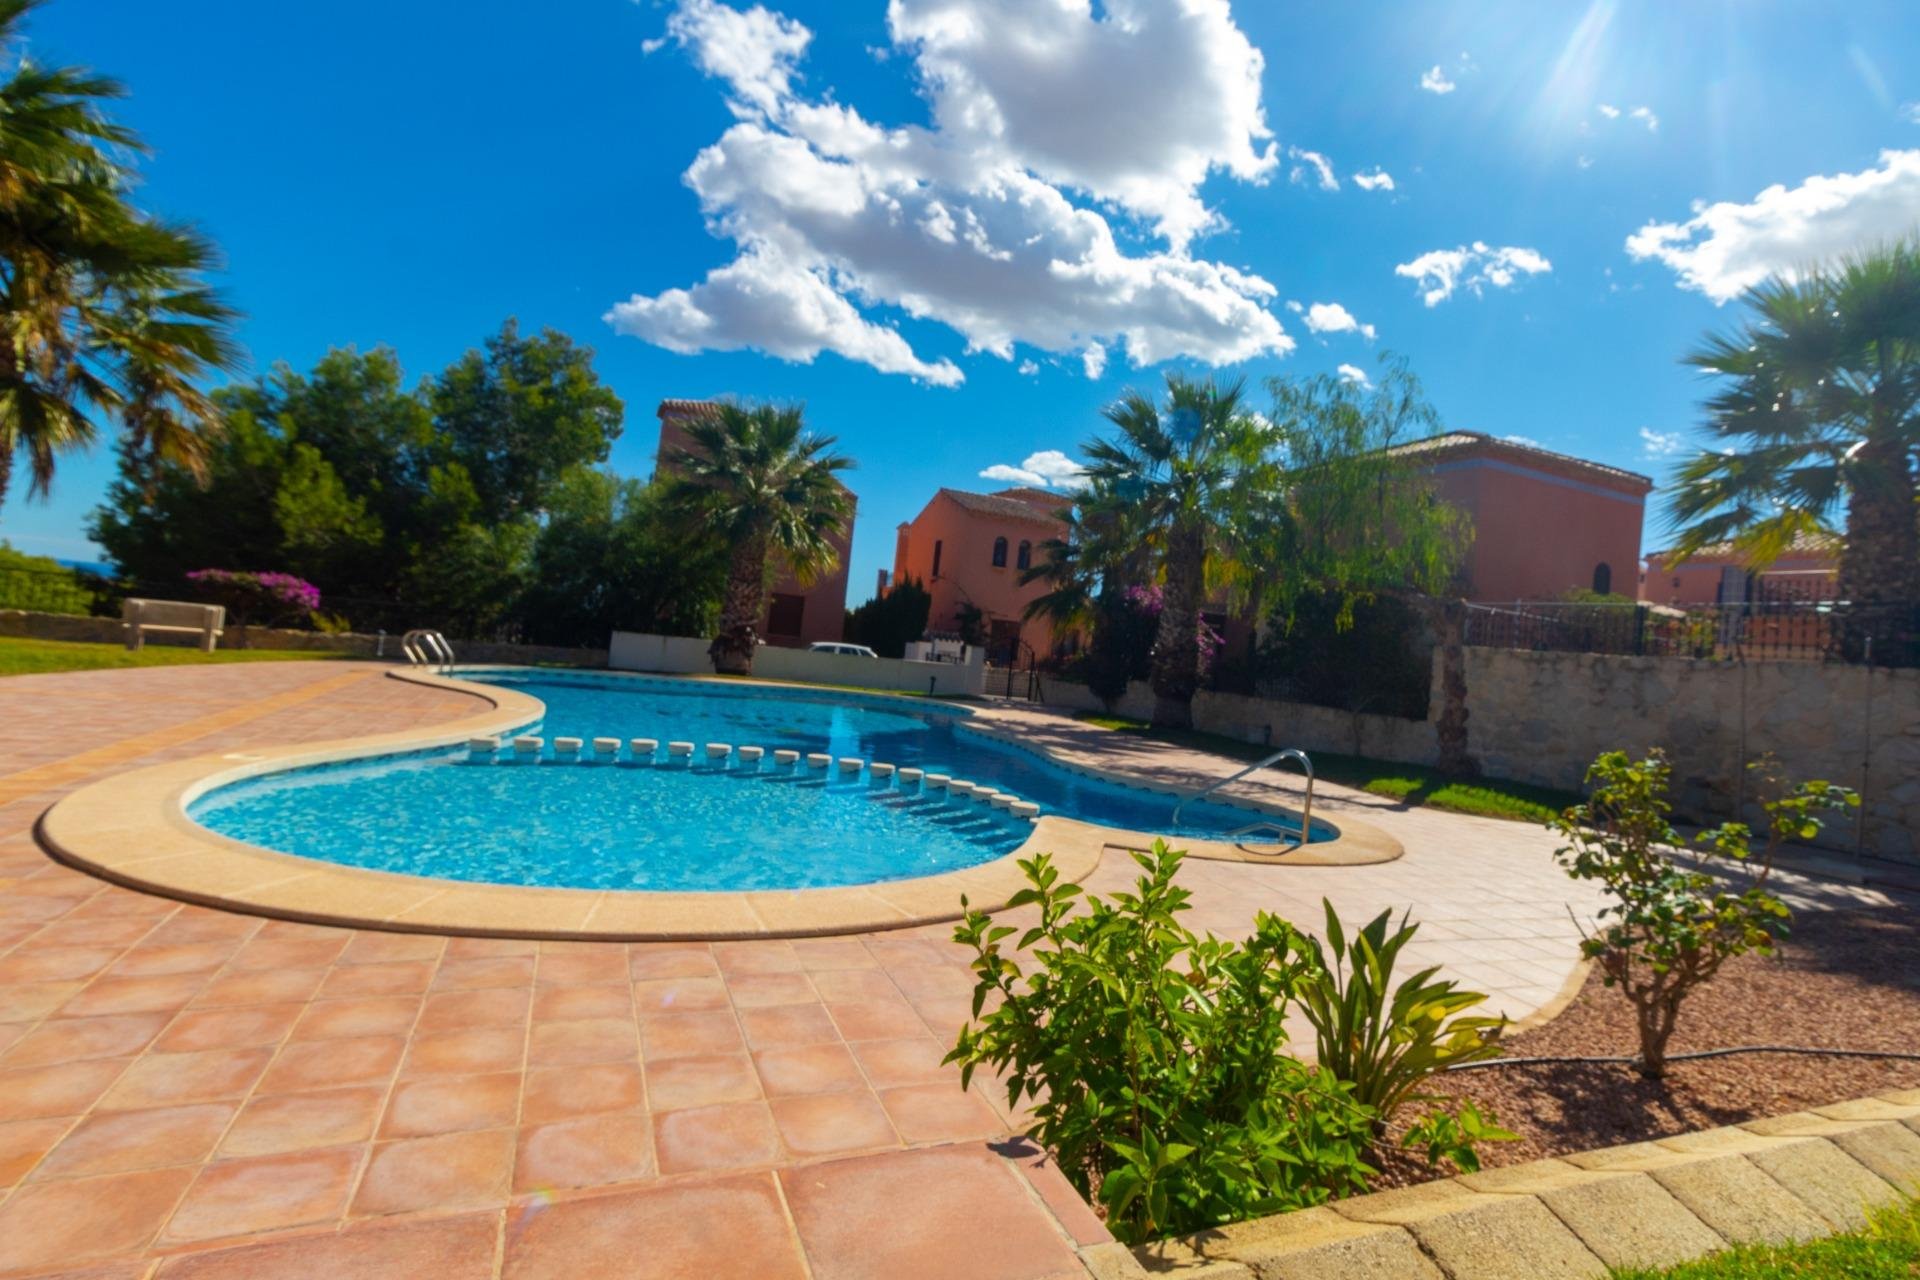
{"points": [[1603, 579], [999, 553], [1025, 559]]}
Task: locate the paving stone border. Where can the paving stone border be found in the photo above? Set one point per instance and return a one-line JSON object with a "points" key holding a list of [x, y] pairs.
{"points": [[1646, 1204]]}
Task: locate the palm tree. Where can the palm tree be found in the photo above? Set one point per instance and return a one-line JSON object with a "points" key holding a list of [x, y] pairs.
{"points": [[1819, 414], [1175, 477], [103, 308], [766, 487]]}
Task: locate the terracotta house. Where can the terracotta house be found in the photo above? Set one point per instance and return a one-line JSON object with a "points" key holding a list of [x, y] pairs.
{"points": [[797, 616], [970, 548], [1810, 570], [1544, 523]]}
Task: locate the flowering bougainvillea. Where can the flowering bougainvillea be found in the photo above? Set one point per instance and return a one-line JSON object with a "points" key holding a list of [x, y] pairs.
{"points": [[267, 598]]}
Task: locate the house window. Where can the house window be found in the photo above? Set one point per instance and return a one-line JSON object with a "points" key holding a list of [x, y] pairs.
{"points": [[1603, 579], [783, 616], [936, 557], [999, 553], [1025, 559]]}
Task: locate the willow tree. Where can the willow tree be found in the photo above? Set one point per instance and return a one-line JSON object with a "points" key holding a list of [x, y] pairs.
{"points": [[1815, 428], [1362, 519], [768, 488]]}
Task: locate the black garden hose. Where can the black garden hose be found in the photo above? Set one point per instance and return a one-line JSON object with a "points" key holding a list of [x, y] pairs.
{"points": [[1691, 1057]]}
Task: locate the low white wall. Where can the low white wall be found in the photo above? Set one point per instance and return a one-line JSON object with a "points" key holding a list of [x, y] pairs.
{"points": [[1284, 724], [680, 655]]}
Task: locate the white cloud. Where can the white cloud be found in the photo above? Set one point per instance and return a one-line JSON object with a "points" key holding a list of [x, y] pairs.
{"points": [[1477, 266], [1314, 163], [1378, 180], [1611, 113], [1331, 317], [1911, 113], [970, 224], [1528, 441], [1296, 307], [1354, 373], [1727, 248], [1434, 80], [1661, 444], [1645, 116], [1585, 162], [1046, 469], [1028, 368]]}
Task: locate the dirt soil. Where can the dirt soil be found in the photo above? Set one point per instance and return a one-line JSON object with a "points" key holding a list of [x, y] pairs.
{"points": [[1844, 979]]}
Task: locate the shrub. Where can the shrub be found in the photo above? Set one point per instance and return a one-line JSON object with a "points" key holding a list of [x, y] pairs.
{"points": [[1669, 928], [887, 623], [1385, 1042], [41, 584], [1156, 1062], [263, 599]]}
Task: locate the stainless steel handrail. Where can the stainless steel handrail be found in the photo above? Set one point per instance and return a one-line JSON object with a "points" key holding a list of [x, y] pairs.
{"points": [[426, 648], [1306, 811]]}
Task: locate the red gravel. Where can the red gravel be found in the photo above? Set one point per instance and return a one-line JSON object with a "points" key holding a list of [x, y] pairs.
{"points": [[1844, 979]]}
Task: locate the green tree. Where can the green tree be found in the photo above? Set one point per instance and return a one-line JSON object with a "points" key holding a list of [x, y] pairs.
{"points": [[1817, 414], [887, 623], [1175, 477], [769, 489], [521, 414], [107, 313]]}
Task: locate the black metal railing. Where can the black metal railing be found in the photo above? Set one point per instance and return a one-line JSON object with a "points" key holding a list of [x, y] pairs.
{"points": [[1805, 630]]}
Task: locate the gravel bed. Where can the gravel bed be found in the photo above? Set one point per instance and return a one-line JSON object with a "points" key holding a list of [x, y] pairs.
{"points": [[1843, 979]]}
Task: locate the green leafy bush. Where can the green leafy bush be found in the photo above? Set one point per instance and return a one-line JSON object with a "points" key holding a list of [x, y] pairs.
{"points": [[1668, 928], [1156, 1062], [1385, 1041]]}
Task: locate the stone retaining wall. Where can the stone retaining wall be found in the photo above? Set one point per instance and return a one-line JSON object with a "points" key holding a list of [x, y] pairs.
{"points": [[1648, 1204], [60, 626]]}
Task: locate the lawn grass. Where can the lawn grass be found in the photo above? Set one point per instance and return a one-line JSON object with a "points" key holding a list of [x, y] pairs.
{"points": [[20, 656], [1410, 784], [1889, 1249]]}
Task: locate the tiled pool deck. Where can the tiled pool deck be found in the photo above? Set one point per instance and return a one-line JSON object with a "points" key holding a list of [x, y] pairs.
{"points": [[190, 1093]]}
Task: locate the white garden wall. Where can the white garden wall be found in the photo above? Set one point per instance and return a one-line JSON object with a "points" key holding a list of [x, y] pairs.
{"points": [[679, 655]]}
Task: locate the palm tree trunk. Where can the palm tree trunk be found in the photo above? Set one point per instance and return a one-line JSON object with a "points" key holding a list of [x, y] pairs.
{"points": [[1176, 644], [1450, 729], [1880, 564], [740, 609], [6, 473]]}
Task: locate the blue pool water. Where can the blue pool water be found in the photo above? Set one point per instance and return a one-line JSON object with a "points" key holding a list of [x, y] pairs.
{"points": [[681, 826]]}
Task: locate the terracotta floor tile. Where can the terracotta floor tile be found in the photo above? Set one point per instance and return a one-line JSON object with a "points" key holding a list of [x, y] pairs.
{"points": [[571, 1004], [265, 986], [103, 933], [185, 957], [1044, 1176], [893, 1019], [678, 995], [555, 1044], [290, 953], [53, 964], [460, 1053], [278, 1123], [940, 1113], [756, 957], [349, 1019], [890, 1063], [671, 960], [170, 1079], [264, 1193], [327, 1064], [23, 1142], [590, 1151], [125, 1141], [451, 1171], [808, 1068], [459, 1248], [399, 978], [825, 955], [51, 1224], [463, 1010], [661, 1232], [490, 971], [827, 1123], [683, 1035], [731, 1136], [203, 924], [765, 990], [240, 1027], [370, 947], [74, 1039], [32, 1001], [163, 993], [900, 1214], [595, 965], [490, 948], [855, 986], [674, 1084], [67, 1089], [559, 1093], [452, 1104], [788, 1024]]}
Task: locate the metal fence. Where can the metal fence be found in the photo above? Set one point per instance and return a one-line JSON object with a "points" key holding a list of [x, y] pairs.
{"points": [[1806, 630]]}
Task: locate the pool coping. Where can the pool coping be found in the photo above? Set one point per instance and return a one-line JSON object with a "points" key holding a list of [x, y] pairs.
{"points": [[132, 829]]}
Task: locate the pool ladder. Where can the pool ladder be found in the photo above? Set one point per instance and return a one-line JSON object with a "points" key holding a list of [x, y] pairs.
{"points": [[426, 648], [1306, 811]]}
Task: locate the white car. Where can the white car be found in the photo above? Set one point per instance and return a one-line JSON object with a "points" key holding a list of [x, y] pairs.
{"points": [[834, 646]]}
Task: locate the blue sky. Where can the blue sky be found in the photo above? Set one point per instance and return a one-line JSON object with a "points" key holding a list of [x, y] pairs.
{"points": [[957, 231]]}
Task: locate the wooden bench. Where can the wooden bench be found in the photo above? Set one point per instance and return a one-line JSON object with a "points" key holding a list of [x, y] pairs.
{"points": [[138, 617]]}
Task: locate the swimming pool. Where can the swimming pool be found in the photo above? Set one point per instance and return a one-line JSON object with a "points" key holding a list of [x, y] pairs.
{"points": [[679, 825]]}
